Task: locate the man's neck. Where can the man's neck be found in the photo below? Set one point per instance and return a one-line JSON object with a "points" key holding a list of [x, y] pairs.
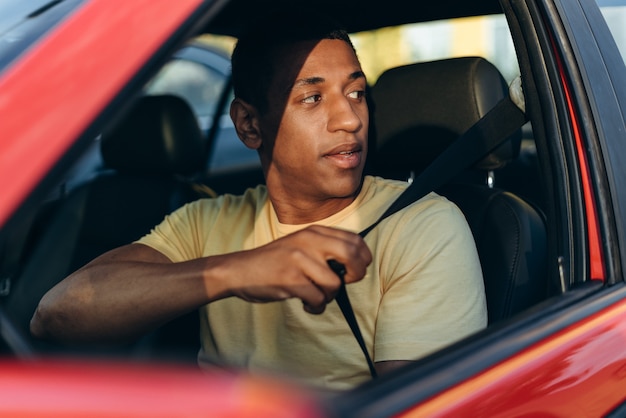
{"points": [[297, 213]]}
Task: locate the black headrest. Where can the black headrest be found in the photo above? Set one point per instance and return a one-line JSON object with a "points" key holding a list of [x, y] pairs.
{"points": [[421, 108], [159, 136]]}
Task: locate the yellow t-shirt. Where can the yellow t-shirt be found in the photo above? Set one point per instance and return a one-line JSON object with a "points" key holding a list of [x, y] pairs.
{"points": [[423, 290]]}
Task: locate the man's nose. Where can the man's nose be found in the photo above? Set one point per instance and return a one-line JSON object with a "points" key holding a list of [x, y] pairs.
{"points": [[344, 116]]}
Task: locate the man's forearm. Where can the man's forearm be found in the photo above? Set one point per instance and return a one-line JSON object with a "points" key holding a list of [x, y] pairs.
{"points": [[114, 298]]}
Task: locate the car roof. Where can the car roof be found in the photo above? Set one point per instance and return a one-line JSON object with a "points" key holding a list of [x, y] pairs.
{"points": [[355, 15]]}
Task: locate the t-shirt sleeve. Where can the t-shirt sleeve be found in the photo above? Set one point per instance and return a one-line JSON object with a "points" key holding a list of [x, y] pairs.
{"points": [[178, 235], [432, 287]]}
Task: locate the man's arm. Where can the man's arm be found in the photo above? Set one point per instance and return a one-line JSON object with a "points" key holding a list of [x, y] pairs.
{"points": [[117, 296], [135, 288]]}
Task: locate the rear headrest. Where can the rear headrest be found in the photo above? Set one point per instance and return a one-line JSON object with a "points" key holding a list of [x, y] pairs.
{"points": [[159, 136], [421, 108]]}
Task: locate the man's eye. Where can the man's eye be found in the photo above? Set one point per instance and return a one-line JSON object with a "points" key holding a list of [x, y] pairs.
{"points": [[357, 94], [312, 99]]}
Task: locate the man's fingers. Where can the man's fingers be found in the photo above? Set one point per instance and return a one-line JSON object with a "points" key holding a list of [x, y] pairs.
{"points": [[315, 310], [297, 266], [317, 272], [344, 247], [314, 300]]}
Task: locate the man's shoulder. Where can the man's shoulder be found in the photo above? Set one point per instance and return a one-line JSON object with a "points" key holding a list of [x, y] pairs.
{"points": [[390, 190], [378, 183], [380, 191]]}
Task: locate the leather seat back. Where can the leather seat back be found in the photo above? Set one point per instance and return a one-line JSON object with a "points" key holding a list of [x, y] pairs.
{"points": [[422, 108]]}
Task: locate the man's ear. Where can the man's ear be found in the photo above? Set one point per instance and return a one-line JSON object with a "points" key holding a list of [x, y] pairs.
{"points": [[245, 118]]}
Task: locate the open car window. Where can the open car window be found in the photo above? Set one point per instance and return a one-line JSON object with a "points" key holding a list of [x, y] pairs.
{"points": [[199, 74]]}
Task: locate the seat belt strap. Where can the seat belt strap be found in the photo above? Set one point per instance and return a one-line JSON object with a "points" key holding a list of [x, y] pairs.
{"points": [[484, 136], [493, 129], [346, 309]]}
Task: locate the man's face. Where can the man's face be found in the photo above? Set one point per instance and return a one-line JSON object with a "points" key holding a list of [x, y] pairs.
{"points": [[315, 131]]}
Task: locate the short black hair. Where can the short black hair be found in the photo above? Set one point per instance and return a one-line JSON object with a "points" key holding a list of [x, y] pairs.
{"points": [[253, 59]]}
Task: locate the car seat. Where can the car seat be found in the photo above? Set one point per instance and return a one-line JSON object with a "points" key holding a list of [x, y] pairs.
{"points": [[419, 110], [150, 157]]}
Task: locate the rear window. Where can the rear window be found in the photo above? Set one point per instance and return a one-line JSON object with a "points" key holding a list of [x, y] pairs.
{"points": [[485, 36]]}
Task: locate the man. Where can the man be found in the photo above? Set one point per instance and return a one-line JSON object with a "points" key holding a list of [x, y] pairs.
{"points": [[414, 282]]}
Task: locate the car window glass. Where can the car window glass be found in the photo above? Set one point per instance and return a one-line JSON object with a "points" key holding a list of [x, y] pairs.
{"points": [[228, 152], [200, 85], [614, 12], [485, 36]]}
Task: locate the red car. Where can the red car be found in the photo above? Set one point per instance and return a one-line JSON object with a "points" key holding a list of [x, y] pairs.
{"points": [[547, 207]]}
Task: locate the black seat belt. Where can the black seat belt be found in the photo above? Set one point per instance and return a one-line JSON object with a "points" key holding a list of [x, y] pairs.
{"points": [[346, 309], [495, 127]]}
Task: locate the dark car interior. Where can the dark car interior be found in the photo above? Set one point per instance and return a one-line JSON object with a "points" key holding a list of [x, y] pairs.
{"points": [[149, 160], [418, 110]]}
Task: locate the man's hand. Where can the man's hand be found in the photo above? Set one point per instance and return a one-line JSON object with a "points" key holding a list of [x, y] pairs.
{"points": [[297, 266]]}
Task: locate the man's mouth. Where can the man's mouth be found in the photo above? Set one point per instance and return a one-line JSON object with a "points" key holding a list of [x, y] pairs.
{"points": [[346, 159]]}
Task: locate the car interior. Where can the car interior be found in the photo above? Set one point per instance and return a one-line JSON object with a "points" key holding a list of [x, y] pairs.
{"points": [[420, 109], [149, 159], [154, 160]]}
